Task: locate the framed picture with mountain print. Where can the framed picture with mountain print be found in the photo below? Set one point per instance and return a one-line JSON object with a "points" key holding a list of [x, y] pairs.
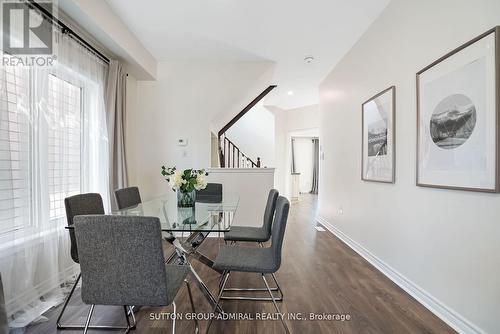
{"points": [[378, 148], [457, 117]]}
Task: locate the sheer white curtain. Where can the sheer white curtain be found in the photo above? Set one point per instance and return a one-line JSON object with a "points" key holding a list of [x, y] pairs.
{"points": [[53, 144]]}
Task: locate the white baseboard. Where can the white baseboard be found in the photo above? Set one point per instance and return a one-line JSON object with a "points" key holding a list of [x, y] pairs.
{"points": [[449, 316]]}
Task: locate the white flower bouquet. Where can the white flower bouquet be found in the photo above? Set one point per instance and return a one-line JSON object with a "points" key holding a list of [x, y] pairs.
{"points": [[185, 183]]}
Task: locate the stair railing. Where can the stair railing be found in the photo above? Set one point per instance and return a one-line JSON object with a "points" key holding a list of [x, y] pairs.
{"points": [[230, 156]]}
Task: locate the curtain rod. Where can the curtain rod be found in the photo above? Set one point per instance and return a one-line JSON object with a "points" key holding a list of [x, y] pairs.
{"points": [[67, 29]]}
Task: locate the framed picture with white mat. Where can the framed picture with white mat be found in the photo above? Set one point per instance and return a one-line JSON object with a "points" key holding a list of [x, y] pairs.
{"points": [[457, 117]]}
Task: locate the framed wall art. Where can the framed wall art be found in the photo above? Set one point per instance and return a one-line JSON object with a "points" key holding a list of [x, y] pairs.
{"points": [[378, 137], [457, 117]]}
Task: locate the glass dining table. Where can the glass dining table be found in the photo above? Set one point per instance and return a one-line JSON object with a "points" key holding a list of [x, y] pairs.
{"points": [[187, 228], [195, 223]]}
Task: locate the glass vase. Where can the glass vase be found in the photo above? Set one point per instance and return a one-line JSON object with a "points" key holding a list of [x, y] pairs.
{"points": [[186, 199]]}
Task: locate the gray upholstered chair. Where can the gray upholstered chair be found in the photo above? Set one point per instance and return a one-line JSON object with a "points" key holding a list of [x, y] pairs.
{"points": [[83, 204], [122, 263], [130, 197], [211, 194], [127, 197], [256, 234], [263, 260]]}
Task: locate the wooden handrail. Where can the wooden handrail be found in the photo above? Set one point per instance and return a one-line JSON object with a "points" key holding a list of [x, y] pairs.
{"points": [[246, 109], [225, 155]]}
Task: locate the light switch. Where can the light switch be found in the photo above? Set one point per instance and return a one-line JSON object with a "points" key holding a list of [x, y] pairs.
{"points": [[182, 142]]}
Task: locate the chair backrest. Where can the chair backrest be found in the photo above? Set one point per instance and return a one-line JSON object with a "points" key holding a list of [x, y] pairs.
{"points": [[83, 204], [279, 225], [211, 194], [269, 211], [121, 260], [127, 197]]}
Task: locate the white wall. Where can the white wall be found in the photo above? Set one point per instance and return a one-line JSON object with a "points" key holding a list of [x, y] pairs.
{"points": [[181, 103], [299, 121], [262, 74], [444, 242], [102, 24], [254, 135], [250, 185]]}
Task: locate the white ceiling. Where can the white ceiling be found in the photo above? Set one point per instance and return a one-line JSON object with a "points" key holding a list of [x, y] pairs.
{"points": [[282, 31]]}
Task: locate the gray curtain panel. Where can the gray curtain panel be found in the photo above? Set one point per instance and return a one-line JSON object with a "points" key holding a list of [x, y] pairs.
{"points": [[293, 156], [314, 188], [115, 109]]}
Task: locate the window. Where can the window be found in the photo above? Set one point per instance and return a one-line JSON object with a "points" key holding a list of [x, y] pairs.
{"points": [[14, 149], [64, 143], [53, 144], [26, 145]]}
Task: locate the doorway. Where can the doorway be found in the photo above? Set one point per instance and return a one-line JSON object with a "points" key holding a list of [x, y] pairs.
{"points": [[304, 164]]}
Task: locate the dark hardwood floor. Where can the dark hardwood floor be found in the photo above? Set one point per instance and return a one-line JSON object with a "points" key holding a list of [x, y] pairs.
{"points": [[319, 274]]}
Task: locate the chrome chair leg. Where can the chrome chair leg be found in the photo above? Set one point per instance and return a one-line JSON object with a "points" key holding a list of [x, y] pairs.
{"points": [[74, 327], [134, 322], [224, 281], [126, 315], [58, 321], [175, 315], [278, 298], [87, 323], [277, 288], [196, 326], [129, 327], [275, 304], [220, 282]]}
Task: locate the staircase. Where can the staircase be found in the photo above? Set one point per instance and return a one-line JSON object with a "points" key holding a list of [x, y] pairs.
{"points": [[230, 156]]}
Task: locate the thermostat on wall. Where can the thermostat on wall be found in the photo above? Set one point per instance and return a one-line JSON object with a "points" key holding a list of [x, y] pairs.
{"points": [[182, 142]]}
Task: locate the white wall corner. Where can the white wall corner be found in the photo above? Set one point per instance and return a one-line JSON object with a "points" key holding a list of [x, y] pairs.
{"points": [[261, 78], [99, 20], [441, 310]]}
